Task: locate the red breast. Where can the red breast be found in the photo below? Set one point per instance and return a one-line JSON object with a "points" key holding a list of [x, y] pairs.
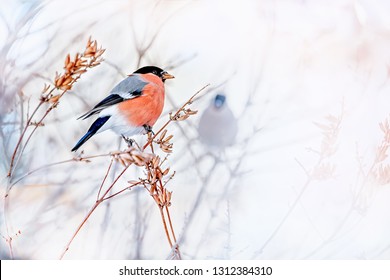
{"points": [[147, 108]]}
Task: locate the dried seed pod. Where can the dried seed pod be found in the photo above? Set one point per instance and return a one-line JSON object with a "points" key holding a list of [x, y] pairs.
{"points": [[67, 81], [69, 66], [138, 160], [156, 161], [65, 87], [45, 88], [80, 71], [133, 182], [190, 112], [100, 52], [158, 173], [67, 59], [182, 117], [58, 81], [169, 196], [81, 63], [121, 161], [154, 177], [163, 134], [54, 98], [153, 188], [156, 198], [166, 171], [94, 64], [168, 138]]}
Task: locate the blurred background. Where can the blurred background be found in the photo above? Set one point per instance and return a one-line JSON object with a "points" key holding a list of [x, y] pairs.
{"points": [[304, 174]]}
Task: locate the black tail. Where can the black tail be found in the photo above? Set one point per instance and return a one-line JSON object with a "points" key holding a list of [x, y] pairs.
{"points": [[91, 131]]}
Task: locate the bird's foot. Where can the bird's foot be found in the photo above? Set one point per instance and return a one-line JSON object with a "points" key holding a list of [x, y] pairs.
{"points": [[128, 141], [148, 129]]}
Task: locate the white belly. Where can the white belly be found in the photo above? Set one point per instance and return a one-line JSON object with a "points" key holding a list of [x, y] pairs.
{"points": [[119, 124]]}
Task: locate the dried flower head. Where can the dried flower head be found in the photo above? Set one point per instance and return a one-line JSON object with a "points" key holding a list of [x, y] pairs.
{"points": [[132, 156], [182, 114], [382, 175], [330, 131], [91, 57], [324, 171], [164, 142]]}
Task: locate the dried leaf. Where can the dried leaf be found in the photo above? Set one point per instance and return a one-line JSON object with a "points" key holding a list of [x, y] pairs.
{"points": [[153, 188], [67, 59], [163, 134], [67, 81], [190, 112], [55, 98], [322, 126], [58, 81], [45, 88], [157, 199], [166, 171], [182, 117], [65, 87], [133, 182]]}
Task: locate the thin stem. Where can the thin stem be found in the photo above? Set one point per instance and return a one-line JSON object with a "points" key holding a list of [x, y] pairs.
{"points": [[165, 226], [11, 250], [77, 159], [104, 179], [121, 191], [38, 169], [54, 105], [10, 170], [170, 223], [97, 203]]}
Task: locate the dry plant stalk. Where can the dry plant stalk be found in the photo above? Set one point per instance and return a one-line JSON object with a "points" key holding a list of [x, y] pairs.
{"points": [[377, 172], [155, 180], [320, 171], [380, 171], [127, 158], [91, 57]]}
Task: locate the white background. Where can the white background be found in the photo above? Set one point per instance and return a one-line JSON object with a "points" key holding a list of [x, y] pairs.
{"points": [[285, 66]]}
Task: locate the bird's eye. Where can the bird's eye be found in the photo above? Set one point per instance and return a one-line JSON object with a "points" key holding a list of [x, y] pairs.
{"points": [[155, 72]]}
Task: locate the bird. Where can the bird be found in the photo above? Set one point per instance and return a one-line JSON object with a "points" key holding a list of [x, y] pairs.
{"points": [[217, 126], [132, 106]]}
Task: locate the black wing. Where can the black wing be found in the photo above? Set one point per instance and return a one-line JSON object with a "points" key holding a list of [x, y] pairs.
{"points": [[129, 88], [106, 102]]}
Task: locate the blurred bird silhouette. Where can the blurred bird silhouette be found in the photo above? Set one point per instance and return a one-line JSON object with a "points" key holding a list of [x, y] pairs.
{"points": [[218, 125]]}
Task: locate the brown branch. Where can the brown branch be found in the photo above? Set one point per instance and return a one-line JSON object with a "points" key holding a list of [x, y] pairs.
{"points": [[165, 226], [122, 190], [170, 223]]}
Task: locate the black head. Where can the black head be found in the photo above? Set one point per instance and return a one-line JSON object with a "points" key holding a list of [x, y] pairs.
{"points": [[164, 75], [219, 100]]}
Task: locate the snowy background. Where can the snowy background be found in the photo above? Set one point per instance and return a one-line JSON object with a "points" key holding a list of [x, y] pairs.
{"points": [[308, 81]]}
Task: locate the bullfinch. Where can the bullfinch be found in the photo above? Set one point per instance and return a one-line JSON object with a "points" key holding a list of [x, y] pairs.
{"points": [[218, 125], [132, 107]]}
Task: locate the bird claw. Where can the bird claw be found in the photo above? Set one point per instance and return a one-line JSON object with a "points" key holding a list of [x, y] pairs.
{"points": [[128, 141], [148, 129]]}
